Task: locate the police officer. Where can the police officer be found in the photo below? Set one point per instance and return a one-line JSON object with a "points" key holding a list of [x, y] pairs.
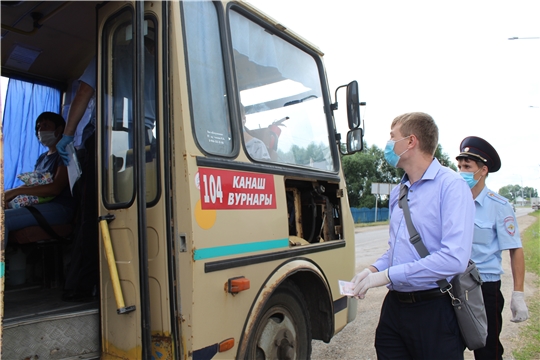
{"points": [[495, 230]]}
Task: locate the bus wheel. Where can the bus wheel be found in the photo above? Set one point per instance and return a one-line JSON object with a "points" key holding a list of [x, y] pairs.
{"points": [[283, 331]]}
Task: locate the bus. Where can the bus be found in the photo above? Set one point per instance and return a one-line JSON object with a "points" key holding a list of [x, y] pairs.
{"points": [[222, 211]]}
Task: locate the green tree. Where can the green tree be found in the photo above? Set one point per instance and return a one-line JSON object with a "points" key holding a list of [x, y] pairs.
{"points": [[304, 156], [511, 192], [529, 192], [444, 159], [364, 168], [369, 166]]}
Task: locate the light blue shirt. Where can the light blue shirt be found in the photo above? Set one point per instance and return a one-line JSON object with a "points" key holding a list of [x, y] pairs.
{"points": [[442, 211], [88, 121], [495, 230]]}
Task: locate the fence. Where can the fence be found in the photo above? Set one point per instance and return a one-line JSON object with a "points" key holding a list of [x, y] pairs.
{"points": [[365, 215]]}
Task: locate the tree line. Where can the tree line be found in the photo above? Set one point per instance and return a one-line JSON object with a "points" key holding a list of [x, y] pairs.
{"points": [[512, 192], [369, 166]]}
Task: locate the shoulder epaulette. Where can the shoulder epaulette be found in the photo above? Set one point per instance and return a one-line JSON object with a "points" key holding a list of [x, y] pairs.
{"points": [[498, 198]]}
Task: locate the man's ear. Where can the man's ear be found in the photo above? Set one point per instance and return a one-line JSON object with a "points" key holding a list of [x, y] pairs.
{"points": [[485, 170], [413, 141]]}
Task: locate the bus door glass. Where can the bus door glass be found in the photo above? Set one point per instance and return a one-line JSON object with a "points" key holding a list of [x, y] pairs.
{"points": [[141, 259]]}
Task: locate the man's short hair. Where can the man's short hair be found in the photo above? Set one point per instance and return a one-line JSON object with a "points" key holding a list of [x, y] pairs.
{"points": [[422, 126]]}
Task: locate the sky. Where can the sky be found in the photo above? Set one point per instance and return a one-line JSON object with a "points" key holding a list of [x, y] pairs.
{"points": [[452, 60]]}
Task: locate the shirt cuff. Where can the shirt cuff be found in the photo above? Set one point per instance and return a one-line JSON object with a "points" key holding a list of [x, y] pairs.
{"points": [[397, 275]]}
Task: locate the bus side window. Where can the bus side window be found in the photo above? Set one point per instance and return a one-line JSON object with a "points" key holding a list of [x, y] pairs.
{"points": [[209, 99]]}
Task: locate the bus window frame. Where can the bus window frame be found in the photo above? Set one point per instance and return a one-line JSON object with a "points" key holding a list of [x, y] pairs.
{"points": [[322, 75], [234, 101], [229, 81]]}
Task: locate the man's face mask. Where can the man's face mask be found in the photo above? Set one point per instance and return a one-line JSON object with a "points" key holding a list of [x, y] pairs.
{"points": [[390, 155], [469, 177]]}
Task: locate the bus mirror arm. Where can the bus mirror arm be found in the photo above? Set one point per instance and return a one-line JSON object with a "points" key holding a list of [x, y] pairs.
{"points": [[334, 106]]}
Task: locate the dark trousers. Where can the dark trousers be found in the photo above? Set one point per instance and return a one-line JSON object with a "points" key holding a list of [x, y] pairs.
{"points": [[494, 303], [425, 330], [83, 271]]}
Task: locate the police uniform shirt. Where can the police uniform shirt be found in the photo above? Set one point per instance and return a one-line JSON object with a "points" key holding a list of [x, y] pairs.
{"points": [[495, 230]]}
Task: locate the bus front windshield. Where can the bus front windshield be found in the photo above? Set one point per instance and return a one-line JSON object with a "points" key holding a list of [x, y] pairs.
{"points": [[280, 90]]}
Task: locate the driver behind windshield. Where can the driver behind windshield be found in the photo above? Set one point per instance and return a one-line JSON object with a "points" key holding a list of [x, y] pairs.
{"points": [[255, 147]]}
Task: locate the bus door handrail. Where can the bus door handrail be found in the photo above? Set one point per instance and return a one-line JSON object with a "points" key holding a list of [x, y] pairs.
{"points": [[121, 308]]}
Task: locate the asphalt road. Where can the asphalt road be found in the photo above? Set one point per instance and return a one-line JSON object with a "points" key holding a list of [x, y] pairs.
{"points": [[355, 342]]}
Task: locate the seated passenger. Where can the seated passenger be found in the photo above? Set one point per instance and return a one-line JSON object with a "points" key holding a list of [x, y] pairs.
{"points": [[255, 147], [59, 210]]}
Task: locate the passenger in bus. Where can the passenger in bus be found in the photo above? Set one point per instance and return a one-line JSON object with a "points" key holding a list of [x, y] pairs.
{"points": [[59, 210], [255, 147]]}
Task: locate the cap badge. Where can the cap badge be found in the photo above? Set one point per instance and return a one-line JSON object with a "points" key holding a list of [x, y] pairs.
{"points": [[466, 149]]}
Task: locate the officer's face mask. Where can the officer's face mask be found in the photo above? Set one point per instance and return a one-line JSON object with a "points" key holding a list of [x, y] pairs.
{"points": [[469, 178], [390, 155], [47, 138]]}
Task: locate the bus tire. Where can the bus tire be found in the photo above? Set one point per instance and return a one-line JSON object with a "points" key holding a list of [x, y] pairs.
{"points": [[283, 330]]}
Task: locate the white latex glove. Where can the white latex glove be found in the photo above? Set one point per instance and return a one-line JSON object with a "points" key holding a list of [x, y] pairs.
{"points": [[365, 280], [519, 308]]}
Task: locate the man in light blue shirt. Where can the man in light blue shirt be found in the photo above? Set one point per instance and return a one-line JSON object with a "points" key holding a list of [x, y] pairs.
{"points": [[417, 320], [495, 230], [82, 277]]}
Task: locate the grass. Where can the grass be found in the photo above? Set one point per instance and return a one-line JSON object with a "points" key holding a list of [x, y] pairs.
{"points": [[530, 333], [372, 223]]}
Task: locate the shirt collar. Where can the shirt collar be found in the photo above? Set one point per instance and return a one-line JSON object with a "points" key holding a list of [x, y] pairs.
{"points": [[429, 174], [482, 196]]}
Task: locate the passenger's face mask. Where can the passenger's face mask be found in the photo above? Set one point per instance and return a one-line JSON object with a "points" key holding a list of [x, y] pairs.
{"points": [[390, 155], [47, 138], [469, 178]]}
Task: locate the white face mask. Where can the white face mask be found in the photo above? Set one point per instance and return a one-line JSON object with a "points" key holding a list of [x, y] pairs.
{"points": [[47, 138]]}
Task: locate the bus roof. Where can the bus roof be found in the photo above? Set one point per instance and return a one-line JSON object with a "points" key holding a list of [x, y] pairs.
{"points": [[66, 28], [63, 28], [282, 27]]}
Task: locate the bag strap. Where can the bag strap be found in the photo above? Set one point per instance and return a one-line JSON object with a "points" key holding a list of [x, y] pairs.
{"points": [[44, 223], [414, 237]]}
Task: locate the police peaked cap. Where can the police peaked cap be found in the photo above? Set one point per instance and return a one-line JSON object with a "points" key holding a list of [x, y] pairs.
{"points": [[478, 149]]}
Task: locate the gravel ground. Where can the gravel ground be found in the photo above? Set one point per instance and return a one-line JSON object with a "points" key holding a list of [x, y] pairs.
{"points": [[355, 342]]}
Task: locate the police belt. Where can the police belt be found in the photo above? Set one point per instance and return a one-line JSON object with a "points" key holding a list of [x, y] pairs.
{"points": [[417, 296]]}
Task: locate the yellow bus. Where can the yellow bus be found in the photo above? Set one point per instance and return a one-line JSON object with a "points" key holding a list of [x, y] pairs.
{"points": [[224, 224]]}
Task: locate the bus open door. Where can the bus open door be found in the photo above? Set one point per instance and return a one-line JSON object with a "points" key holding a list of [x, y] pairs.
{"points": [[131, 180]]}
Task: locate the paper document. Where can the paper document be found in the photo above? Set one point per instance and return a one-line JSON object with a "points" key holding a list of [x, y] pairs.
{"points": [[346, 288], [73, 168]]}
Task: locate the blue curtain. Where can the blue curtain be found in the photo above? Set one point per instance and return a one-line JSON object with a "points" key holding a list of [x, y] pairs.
{"points": [[24, 102]]}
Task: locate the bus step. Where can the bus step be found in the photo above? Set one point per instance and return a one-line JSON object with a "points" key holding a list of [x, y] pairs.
{"points": [[52, 330]]}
